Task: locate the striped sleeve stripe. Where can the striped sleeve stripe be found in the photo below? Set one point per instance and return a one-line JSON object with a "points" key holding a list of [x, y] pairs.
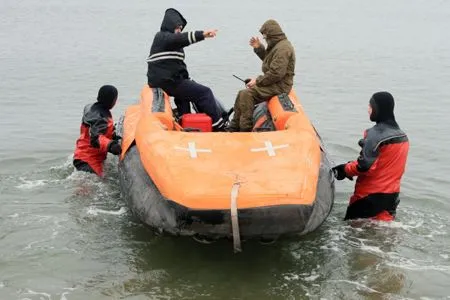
{"points": [[190, 37], [165, 57], [181, 54], [193, 37]]}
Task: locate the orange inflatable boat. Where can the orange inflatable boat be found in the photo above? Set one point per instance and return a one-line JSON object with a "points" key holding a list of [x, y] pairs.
{"points": [[241, 185]]}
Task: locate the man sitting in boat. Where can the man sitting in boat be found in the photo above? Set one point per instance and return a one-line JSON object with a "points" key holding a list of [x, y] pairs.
{"points": [[97, 133], [278, 67], [380, 165], [167, 70]]}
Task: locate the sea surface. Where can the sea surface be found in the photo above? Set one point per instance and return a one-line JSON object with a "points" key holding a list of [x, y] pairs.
{"points": [[65, 235]]}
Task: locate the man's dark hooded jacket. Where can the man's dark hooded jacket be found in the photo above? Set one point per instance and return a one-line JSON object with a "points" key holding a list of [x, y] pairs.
{"points": [[166, 60]]}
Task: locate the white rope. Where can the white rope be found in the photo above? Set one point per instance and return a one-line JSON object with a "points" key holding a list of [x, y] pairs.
{"points": [[234, 218]]}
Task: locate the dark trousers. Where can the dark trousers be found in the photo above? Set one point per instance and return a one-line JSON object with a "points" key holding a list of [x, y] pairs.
{"points": [[82, 166], [372, 205], [187, 91]]}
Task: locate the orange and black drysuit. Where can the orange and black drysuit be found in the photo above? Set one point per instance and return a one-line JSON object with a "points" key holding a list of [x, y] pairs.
{"points": [[97, 133], [380, 165]]}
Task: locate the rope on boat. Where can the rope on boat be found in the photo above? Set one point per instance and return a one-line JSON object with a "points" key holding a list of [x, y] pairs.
{"points": [[234, 218]]}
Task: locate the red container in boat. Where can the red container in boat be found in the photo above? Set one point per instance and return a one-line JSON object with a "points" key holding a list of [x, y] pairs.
{"points": [[199, 121]]}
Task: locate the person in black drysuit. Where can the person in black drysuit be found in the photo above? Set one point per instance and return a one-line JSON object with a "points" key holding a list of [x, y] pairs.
{"points": [[167, 70]]}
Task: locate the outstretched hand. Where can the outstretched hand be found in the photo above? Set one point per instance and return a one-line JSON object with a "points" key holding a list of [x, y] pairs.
{"points": [[210, 33], [254, 42]]}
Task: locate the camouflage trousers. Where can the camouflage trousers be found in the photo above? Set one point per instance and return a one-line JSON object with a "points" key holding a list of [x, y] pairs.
{"points": [[244, 105]]}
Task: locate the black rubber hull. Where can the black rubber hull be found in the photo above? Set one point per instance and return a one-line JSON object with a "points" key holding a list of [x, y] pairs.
{"points": [[166, 215]]}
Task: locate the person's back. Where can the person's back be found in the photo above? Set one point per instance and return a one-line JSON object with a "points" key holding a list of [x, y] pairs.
{"points": [[385, 175], [90, 147]]}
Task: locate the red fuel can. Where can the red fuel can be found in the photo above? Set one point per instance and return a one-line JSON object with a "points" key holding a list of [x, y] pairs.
{"points": [[200, 121]]}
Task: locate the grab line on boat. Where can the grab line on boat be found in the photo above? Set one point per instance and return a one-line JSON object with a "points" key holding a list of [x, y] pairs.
{"points": [[234, 218]]}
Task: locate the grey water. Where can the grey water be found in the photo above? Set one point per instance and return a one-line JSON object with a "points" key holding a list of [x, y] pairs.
{"points": [[68, 236]]}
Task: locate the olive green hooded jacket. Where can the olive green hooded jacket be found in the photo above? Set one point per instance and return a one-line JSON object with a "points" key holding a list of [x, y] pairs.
{"points": [[278, 60]]}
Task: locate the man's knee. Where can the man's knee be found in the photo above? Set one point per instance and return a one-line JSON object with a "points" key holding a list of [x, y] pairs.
{"points": [[246, 93], [245, 99], [205, 91]]}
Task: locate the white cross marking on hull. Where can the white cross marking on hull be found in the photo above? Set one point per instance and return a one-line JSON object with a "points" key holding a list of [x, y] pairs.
{"points": [[269, 148], [193, 151]]}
